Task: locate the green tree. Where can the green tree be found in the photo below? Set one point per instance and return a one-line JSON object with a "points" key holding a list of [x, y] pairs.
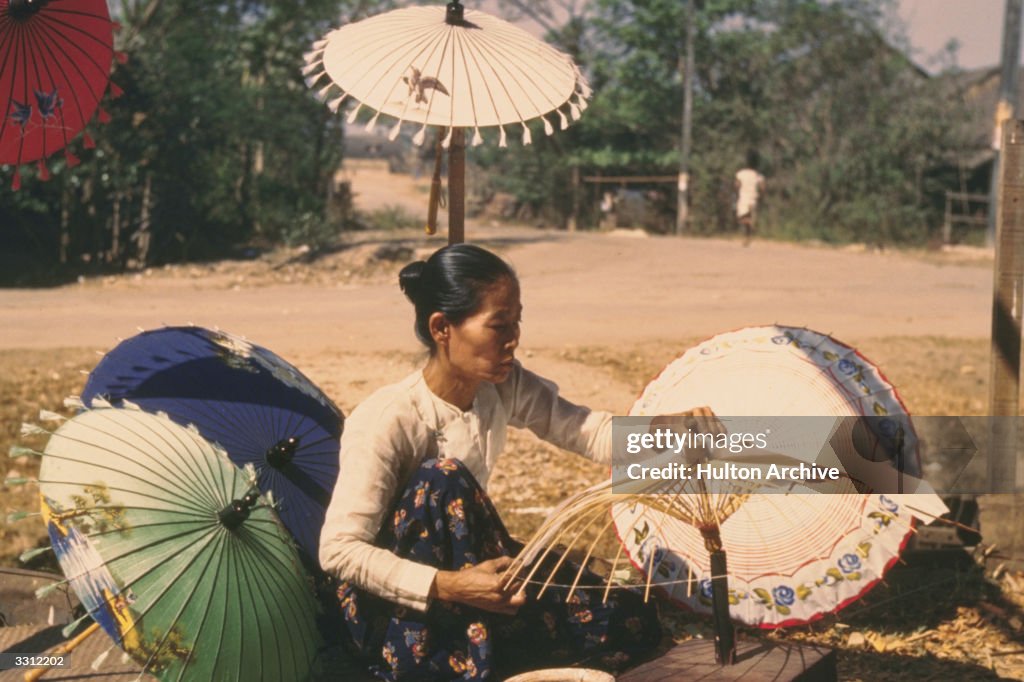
{"points": [[854, 138], [216, 142]]}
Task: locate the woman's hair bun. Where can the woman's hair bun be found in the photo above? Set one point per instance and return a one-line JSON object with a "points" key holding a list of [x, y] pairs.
{"points": [[409, 279]]}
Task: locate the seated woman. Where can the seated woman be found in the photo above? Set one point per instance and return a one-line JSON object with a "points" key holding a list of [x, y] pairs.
{"points": [[416, 543]]}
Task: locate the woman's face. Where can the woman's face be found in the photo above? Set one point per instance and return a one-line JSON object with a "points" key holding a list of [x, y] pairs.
{"points": [[483, 345]]}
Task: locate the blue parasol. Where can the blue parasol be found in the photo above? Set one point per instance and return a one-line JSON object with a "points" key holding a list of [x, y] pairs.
{"points": [[256, 406]]}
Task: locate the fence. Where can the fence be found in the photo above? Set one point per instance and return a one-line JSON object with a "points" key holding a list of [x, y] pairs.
{"points": [[973, 212]]}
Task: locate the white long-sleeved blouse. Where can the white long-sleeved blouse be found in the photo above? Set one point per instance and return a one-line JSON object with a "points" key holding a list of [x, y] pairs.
{"points": [[390, 433]]}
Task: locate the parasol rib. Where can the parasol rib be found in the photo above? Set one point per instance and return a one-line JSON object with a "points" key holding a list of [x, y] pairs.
{"points": [[195, 485], [208, 605]]}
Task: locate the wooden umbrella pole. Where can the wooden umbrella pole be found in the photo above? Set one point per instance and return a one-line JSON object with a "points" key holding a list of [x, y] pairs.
{"points": [[435, 186], [725, 636], [457, 187]]}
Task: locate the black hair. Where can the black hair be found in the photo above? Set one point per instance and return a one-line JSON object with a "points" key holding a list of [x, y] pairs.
{"points": [[451, 281]]}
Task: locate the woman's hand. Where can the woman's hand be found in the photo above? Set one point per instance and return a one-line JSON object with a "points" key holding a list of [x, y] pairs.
{"points": [[480, 587]]}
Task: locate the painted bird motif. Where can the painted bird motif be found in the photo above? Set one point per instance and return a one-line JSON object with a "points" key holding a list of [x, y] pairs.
{"points": [[48, 103], [21, 114], [418, 85]]}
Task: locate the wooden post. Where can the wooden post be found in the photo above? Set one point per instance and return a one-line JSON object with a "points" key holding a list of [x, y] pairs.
{"points": [[574, 219], [114, 254], [725, 636], [143, 234], [683, 184], [65, 220], [457, 187], [1006, 107], [947, 220], [1007, 300]]}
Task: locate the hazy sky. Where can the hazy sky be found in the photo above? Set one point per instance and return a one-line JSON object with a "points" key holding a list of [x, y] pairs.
{"points": [[976, 24]]}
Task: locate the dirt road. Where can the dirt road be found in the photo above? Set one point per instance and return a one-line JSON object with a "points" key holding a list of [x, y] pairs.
{"points": [[577, 289]]}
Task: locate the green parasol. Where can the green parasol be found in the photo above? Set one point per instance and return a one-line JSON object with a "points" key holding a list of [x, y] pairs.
{"points": [[173, 551]]}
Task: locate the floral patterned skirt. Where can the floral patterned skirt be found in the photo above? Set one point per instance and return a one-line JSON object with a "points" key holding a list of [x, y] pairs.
{"points": [[444, 519]]}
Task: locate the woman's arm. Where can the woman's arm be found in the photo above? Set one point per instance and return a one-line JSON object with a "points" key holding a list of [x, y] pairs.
{"points": [[374, 451], [534, 404], [376, 457]]}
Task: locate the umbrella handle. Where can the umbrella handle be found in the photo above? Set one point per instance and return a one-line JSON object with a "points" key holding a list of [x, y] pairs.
{"points": [[36, 673], [435, 189]]}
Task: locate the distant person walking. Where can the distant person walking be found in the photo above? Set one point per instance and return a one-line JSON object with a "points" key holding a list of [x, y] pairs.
{"points": [[749, 186]]}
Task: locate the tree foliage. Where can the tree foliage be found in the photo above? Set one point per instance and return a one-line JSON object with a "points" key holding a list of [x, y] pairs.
{"points": [[216, 141], [855, 140]]}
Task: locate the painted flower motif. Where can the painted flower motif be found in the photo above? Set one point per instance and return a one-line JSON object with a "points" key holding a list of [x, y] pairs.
{"points": [[348, 606], [421, 494], [457, 518], [416, 640], [401, 523], [847, 367], [580, 615], [457, 662], [888, 504], [783, 595], [477, 633], [848, 563], [389, 656], [446, 465]]}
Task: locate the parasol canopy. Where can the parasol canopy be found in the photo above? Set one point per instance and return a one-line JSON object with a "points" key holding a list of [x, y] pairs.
{"points": [[263, 411], [173, 551], [55, 58], [456, 68], [793, 555]]}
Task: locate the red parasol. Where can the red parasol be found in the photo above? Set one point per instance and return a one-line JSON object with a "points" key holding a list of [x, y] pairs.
{"points": [[55, 58]]}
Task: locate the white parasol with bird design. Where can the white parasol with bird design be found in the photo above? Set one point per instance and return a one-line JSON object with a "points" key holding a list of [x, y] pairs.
{"points": [[451, 67]]}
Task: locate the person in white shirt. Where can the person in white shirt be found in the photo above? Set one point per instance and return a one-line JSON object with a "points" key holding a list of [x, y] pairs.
{"points": [[749, 187], [410, 533]]}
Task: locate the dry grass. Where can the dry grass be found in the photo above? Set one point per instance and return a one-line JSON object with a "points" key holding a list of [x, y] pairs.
{"points": [[938, 621]]}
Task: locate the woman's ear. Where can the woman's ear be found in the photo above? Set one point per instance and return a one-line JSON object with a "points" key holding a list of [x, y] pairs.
{"points": [[439, 326]]}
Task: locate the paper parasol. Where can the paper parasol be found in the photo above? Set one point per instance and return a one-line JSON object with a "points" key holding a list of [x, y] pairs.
{"points": [[456, 68], [55, 57], [259, 408], [173, 551], [791, 557], [806, 553]]}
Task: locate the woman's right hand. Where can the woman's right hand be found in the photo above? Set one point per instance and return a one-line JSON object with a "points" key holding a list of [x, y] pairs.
{"points": [[479, 586]]}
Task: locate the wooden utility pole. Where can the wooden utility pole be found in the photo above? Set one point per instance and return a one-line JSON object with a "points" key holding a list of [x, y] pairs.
{"points": [[683, 193], [1006, 109], [1007, 306]]}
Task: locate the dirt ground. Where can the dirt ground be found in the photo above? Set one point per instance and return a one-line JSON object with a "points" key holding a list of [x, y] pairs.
{"points": [[603, 313]]}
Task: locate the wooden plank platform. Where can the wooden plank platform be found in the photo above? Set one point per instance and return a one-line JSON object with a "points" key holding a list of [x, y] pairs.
{"points": [[757, 661], [39, 639]]}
